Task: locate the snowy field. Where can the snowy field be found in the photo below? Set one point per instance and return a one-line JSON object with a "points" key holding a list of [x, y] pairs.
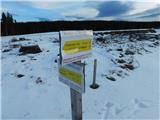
{"points": [[128, 75]]}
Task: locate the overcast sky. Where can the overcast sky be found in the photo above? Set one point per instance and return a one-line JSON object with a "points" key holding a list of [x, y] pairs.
{"points": [[41, 10]]}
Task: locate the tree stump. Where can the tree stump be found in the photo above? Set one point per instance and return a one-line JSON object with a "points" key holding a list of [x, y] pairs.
{"points": [[33, 49]]}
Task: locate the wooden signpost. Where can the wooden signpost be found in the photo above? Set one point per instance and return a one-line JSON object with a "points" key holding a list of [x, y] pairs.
{"points": [[74, 46]]}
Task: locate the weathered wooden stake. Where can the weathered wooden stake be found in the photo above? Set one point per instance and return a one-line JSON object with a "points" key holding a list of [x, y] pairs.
{"points": [[76, 104], [94, 85]]}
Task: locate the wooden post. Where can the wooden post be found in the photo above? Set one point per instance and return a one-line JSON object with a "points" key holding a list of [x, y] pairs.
{"points": [[94, 85], [76, 104], [60, 54]]}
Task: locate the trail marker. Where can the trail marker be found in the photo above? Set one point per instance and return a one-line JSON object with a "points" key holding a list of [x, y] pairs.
{"points": [[73, 76], [75, 45]]}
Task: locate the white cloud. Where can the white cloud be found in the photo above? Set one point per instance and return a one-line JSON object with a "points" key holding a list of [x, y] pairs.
{"points": [[146, 1], [48, 5], [139, 7], [85, 12]]}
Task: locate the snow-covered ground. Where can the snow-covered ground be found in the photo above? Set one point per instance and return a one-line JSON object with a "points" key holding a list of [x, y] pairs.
{"points": [[127, 72]]}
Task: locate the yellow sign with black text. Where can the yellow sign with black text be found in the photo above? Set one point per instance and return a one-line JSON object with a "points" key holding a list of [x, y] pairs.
{"points": [[71, 75], [76, 46]]}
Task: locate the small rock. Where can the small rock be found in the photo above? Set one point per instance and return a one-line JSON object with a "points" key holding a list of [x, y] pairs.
{"points": [[111, 78], [121, 61], [14, 39], [128, 52], [109, 50], [118, 74], [156, 43], [23, 60], [39, 81], [20, 75], [127, 66], [22, 39], [150, 46], [55, 60], [6, 50], [120, 49]]}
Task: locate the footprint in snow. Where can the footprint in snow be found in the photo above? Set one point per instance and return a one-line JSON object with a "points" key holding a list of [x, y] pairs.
{"points": [[26, 115], [107, 109], [123, 111], [137, 105]]}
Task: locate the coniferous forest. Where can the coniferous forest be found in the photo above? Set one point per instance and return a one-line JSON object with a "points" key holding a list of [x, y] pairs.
{"points": [[9, 26]]}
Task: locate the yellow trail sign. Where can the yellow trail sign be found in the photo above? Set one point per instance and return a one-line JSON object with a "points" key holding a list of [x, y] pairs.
{"points": [[76, 46], [71, 75]]}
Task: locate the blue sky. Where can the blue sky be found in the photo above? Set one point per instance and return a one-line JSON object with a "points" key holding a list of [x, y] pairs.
{"points": [[40, 10]]}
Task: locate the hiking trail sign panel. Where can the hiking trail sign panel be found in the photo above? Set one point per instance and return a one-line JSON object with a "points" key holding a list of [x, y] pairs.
{"points": [[73, 76], [75, 45]]}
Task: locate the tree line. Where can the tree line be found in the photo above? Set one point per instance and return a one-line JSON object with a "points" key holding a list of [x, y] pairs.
{"points": [[11, 27], [7, 24]]}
